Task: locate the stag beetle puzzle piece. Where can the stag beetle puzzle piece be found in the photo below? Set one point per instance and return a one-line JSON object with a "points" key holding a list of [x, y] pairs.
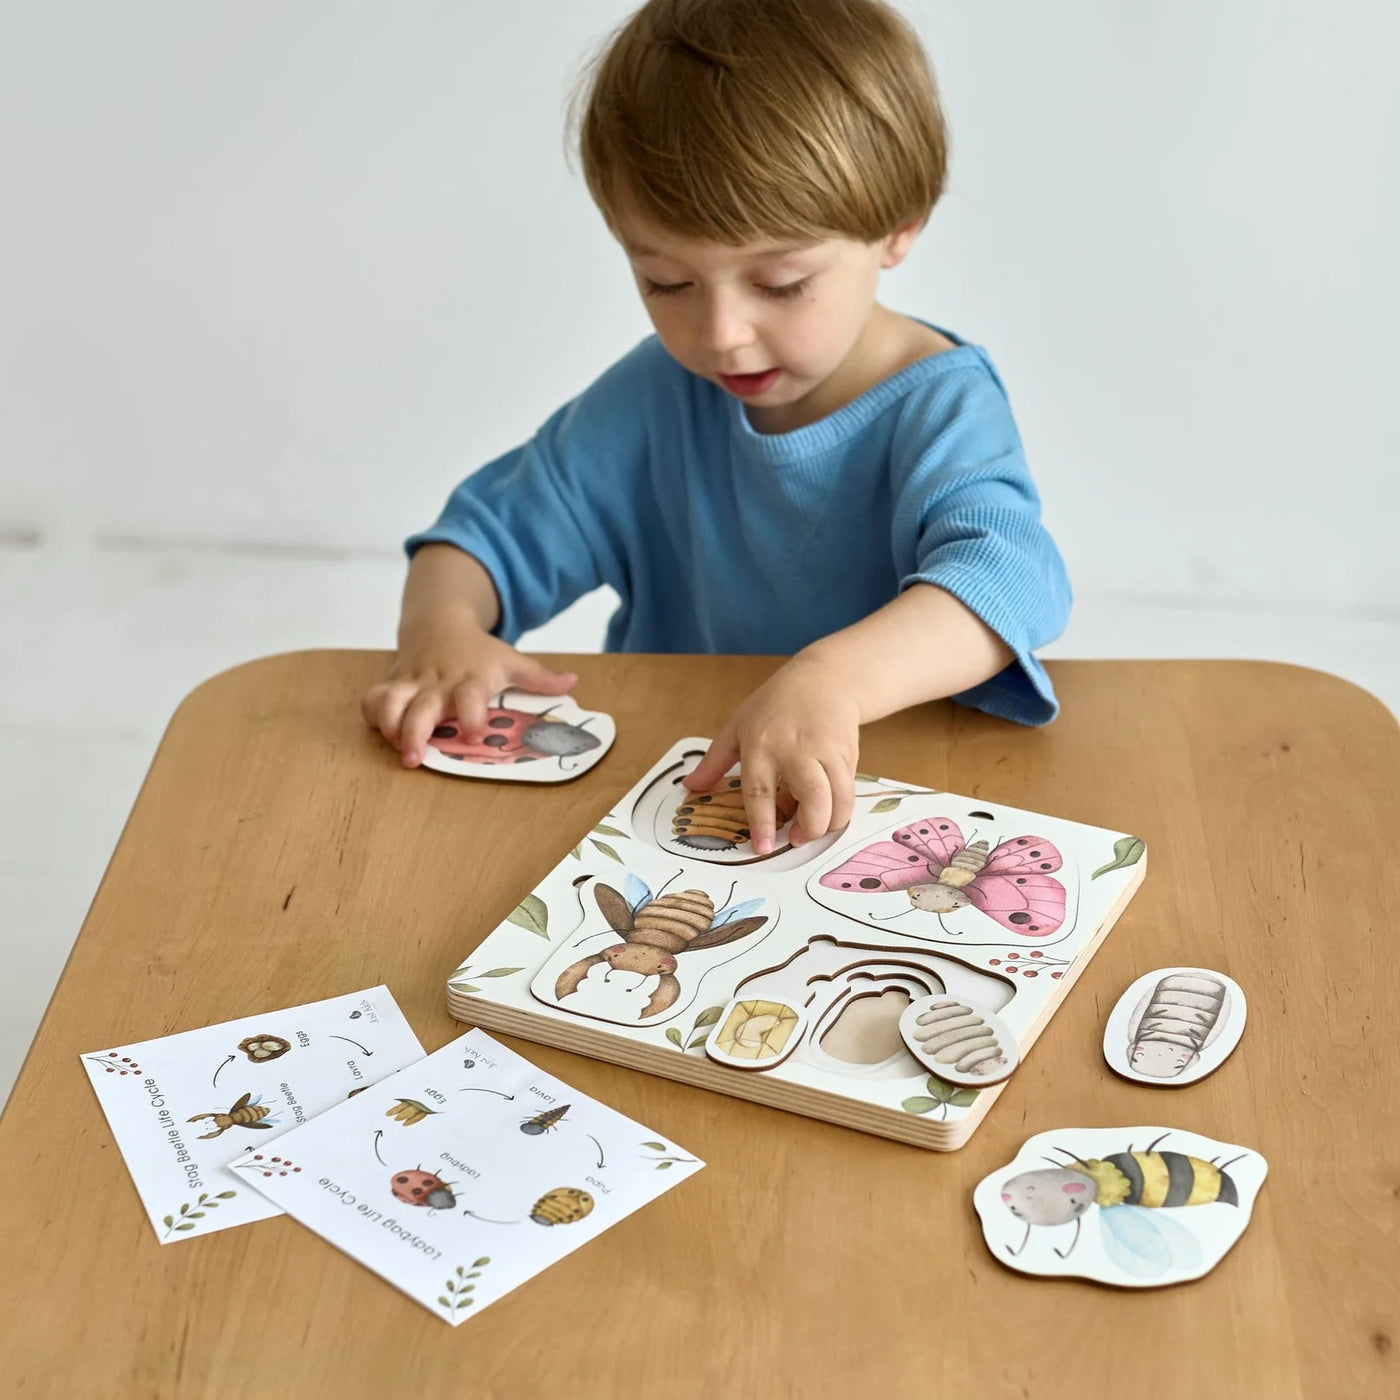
{"points": [[1166, 1205], [1174, 1026], [528, 739]]}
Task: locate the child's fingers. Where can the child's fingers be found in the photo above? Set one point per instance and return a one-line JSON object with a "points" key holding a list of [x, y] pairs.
{"points": [[383, 707], [759, 785], [843, 795], [724, 750], [538, 679], [419, 719], [812, 790], [471, 702]]}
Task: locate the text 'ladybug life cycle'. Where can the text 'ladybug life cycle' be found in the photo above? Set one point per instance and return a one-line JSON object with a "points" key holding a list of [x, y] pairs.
{"points": [[466, 1174]]}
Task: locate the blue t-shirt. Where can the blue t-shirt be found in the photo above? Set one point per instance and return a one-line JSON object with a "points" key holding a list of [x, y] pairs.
{"points": [[719, 538]]}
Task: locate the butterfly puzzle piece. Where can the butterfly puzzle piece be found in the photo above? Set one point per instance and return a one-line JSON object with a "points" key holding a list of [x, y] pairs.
{"points": [[530, 739], [942, 872]]}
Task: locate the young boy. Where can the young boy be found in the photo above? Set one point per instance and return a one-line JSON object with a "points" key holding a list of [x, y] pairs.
{"points": [[786, 466]]}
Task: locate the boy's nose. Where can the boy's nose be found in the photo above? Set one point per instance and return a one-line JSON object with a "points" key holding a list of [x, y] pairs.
{"points": [[724, 327]]}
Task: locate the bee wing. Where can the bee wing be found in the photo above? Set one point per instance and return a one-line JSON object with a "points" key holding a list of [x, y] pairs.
{"points": [[637, 891], [725, 933], [614, 908], [257, 1125], [736, 911], [242, 1103], [1146, 1244]]}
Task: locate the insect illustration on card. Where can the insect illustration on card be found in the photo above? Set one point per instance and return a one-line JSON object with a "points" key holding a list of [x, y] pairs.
{"points": [[516, 736], [544, 1122], [1130, 1188], [942, 872], [656, 930], [420, 1188], [248, 1112], [715, 819]]}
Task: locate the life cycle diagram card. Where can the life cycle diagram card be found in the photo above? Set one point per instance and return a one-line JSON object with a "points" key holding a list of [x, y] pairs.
{"points": [[464, 1175], [183, 1107]]}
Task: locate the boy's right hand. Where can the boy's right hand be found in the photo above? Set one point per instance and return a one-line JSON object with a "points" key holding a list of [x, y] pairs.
{"points": [[452, 673]]}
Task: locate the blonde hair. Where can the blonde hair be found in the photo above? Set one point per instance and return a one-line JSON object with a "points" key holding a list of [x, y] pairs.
{"points": [[738, 121]]}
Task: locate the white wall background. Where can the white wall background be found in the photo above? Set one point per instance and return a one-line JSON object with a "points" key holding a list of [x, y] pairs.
{"points": [[273, 276]]}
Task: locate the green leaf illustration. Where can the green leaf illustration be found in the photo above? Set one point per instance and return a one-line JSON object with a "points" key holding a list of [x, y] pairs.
{"points": [[188, 1226], [500, 972], [577, 851], [919, 1105], [697, 1040], [708, 1017], [655, 1146], [482, 1262], [461, 1269], [531, 913], [663, 1166], [674, 1036], [184, 1210], [867, 778], [227, 1195], [606, 850], [465, 987], [950, 1093], [169, 1219], [196, 1215], [1127, 850], [887, 804], [602, 829], [444, 1302]]}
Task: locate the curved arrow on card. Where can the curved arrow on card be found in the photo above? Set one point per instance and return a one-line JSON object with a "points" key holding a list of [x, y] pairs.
{"points": [[377, 1136], [220, 1069], [598, 1145], [500, 1095], [355, 1043]]}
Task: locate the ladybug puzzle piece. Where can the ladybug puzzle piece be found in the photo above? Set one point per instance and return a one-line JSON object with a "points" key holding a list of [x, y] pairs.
{"points": [[523, 744]]}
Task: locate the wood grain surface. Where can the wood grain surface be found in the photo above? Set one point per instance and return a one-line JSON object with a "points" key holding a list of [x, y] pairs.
{"points": [[278, 854]]}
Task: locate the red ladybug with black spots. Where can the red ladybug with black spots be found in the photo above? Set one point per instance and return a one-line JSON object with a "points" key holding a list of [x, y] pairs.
{"points": [[420, 1188], [515, 736]]}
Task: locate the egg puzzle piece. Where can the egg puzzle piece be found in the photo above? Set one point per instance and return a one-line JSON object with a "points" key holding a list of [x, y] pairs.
{"points": [[1133, 1207], [528, 739], [1174, 1026]]}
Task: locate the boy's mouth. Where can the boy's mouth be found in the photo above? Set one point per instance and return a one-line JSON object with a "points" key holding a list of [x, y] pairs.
{"points": [[748, 385]]}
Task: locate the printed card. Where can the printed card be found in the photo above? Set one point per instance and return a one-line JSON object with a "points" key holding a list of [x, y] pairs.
{"points": [[183, 1107], [464, 1175]]}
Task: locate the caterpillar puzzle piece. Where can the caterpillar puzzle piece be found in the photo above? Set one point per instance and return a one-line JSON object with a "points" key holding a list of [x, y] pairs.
{"points": [[960, 1041], [1174, 1026], [528, 739]]}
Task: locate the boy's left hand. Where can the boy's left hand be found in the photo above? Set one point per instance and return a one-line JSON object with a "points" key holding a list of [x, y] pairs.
{"points": [[799, 732]]}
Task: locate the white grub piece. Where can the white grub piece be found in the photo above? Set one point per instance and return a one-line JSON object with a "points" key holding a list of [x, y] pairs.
{"points": [[1174, 1026], [959, 1040]]}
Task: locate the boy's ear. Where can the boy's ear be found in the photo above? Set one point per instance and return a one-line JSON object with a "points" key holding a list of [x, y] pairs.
{"points": [[898, 244]]}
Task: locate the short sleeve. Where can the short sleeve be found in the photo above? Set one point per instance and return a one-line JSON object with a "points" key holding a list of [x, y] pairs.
{"points": [[543, 518], [967, 519]]}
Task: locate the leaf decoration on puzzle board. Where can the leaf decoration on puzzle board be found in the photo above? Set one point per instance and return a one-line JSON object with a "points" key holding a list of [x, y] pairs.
{"points": [[1127, 850], [531, 913], [605, 849], [941, 872], [943, 1095]]}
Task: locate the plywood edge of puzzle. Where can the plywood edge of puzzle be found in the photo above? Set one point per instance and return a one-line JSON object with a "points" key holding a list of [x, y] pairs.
{"points": [[696, 1069]]}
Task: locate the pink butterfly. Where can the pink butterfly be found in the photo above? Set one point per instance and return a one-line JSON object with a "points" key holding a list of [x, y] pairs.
{"points": [[930, 859]]}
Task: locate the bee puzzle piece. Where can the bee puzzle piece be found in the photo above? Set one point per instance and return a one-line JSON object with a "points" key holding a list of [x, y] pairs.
{"points": [[715, 820], [755, 1033], [248, 1112], [960, 1041], [555, 746], [562, 1206], [261, 1048], [1138, 1194], [1174, 1026]]}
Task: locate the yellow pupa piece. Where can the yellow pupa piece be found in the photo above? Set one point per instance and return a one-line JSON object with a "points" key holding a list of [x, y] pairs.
{"points": [[757, 1030]]}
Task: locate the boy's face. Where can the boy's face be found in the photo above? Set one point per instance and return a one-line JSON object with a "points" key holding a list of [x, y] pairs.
{"points": [[779, 326]]}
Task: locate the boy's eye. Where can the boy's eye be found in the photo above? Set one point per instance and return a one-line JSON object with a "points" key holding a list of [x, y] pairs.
{"points": [[788, 289], [662, 289]]}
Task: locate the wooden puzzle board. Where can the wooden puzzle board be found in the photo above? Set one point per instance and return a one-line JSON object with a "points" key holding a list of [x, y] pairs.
{"points": [[850, 956]]}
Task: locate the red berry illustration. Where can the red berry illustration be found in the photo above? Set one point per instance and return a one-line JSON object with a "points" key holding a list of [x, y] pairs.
{"points": [[995, 962], [1031, 972], [1037, 954], [1013, 956], [1056, 974]]}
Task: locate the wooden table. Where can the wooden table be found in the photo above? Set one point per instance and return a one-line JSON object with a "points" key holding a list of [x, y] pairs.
{"points": [[278, 854]]}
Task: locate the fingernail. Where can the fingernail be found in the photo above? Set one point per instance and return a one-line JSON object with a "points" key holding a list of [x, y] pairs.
{"points": [[763, 846], [410, 759]]}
